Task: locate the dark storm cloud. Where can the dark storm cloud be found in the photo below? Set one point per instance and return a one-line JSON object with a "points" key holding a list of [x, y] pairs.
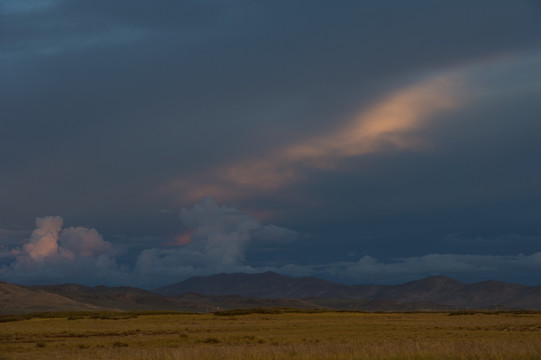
{"points": [[106, 104]]}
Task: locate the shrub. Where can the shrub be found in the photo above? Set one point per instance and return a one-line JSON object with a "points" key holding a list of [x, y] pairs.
{"points": [[212, 340]]}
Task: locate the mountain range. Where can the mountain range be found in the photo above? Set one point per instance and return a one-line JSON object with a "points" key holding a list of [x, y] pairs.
{"points": [[436, 289], [230, 291]]}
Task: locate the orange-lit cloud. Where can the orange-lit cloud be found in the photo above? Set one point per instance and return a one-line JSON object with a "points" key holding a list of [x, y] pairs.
{"points": [[384, 125], [184, 238], [50, 242], [44, 240], [388, 125]]}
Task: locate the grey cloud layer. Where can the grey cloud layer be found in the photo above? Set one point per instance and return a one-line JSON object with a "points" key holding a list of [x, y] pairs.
{"points": [[106, 102]]}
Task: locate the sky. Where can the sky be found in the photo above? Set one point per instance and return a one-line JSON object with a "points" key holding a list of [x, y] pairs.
{"points": [[144, 142]]}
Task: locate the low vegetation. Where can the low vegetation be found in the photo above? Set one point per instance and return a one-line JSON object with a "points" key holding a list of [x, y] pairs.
{"points": [[271, 334]]}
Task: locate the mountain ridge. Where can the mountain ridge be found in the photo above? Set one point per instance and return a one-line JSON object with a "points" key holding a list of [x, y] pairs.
{"points": [[241, 290], [435, 289]]}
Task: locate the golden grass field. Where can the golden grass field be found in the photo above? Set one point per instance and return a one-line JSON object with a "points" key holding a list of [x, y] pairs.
{"points": [[280, 335]]}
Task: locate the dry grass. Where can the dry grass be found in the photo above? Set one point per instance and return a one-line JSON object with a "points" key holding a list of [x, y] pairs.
{"points": [[288, 335]]}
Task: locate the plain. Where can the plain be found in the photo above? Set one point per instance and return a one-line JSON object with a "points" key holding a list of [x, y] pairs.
{"points": [[271, 334]]}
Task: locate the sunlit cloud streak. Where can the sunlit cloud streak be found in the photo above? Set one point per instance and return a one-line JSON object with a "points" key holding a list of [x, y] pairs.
{"points": [[389, 125], [396, 122]]}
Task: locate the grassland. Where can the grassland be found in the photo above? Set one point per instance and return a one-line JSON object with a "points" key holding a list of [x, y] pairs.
{"points": [[271, 335]]}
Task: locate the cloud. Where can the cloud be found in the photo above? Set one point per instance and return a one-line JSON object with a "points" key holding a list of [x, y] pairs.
{"points": [[173, 265], [407, 119], [44, 240], [9, 239], [85, 242], [369, 269], [49, 241], [384, 126], [219, 238], [216, 240], [8, 233], [53, 254], [221, 233], [48, 28], [388, 125], [16, 6]]}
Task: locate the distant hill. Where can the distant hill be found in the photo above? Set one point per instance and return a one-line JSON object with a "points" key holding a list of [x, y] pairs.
{"points": [[264, 285], [232, 291], [16, 299], [130, 298], [113, 298], [434, 289]]}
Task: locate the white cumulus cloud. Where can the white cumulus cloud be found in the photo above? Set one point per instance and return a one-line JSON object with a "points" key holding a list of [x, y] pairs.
{"points": [[54, 255], [220, 238], [218, 241], [44, 240]]}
